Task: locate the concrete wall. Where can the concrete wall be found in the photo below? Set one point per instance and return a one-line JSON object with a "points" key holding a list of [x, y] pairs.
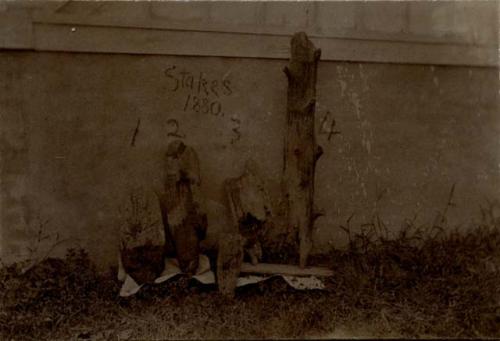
{"points": [[408, 131]]}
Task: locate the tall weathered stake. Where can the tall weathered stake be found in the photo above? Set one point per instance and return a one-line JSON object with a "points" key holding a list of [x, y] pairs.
{"points": [[301, 150]]}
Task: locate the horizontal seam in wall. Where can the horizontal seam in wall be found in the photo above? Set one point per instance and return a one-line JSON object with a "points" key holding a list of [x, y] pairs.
{"points": [[54, 37]]}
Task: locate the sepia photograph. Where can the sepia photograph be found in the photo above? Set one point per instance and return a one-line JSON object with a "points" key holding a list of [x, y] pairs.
{"points": [[235, 170]]}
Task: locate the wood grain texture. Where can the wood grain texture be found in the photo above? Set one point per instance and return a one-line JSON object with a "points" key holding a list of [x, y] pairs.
{"points": [[284, 269], [301, 150], [184, 223], [229, 260], [249, 207]]}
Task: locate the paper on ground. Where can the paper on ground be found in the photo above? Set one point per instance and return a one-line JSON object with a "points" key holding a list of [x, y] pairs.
{"points": [[299, 283], [131, 287], [206, 276], [304, 283], [203, 273]]}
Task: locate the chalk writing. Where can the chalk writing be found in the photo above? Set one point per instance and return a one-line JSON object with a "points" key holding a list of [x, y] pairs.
{"points": [[203, 105], [173, 129], [136, 131], [204, 93], [201, 94], [236, 129], [327, 126], [198, 83]]}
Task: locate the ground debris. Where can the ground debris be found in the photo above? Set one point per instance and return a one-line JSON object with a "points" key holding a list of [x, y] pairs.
{"points": [[432, 286]]}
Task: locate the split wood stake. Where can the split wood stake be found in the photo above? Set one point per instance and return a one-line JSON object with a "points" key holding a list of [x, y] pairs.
{"points": [[301, 150]]}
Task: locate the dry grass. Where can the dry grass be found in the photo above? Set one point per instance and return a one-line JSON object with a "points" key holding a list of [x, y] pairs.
{"points": [[425, 282]]}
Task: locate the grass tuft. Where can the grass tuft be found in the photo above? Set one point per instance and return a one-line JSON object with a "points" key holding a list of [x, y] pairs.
{"points": [[427, 281]]}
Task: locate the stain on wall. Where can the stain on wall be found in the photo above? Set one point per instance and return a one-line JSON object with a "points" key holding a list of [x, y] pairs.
{"points": [[80, 131]]}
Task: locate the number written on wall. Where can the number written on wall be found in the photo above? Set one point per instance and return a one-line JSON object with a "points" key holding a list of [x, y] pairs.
{"points": [[173, 129], [200, 94], [203, 105], [327, 126], [204, 94], [236, 129]]}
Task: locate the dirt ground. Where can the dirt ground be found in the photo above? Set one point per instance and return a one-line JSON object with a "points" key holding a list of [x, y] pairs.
{"points": [[417, 284]]}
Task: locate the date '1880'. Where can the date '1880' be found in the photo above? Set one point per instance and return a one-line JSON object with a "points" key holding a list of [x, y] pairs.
{"points": [[204, 93]]}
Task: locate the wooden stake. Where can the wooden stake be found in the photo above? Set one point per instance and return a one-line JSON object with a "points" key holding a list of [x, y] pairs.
{"points": [[284, 269], [301, 150], [249, 207], [184, 222], [229, 260]]}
